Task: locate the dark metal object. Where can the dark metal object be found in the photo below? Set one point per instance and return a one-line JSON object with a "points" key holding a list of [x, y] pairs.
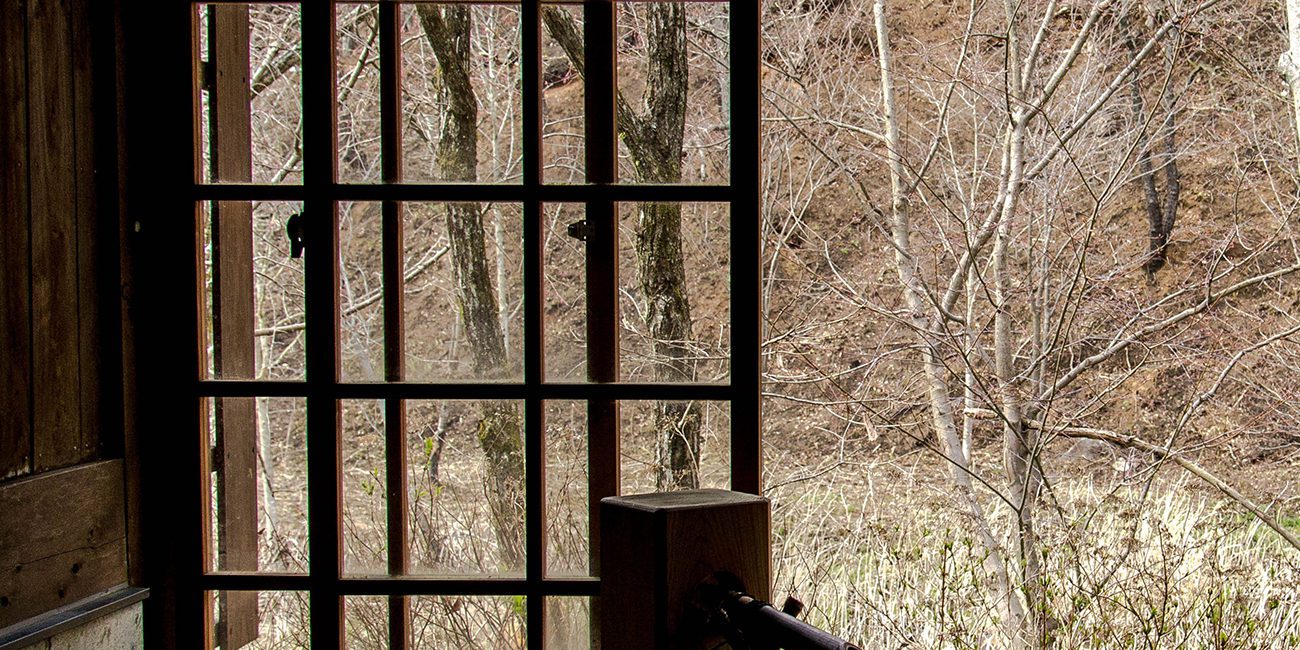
{"points": [[748, 623], [791, 607], [580, 230], [770, 629]]}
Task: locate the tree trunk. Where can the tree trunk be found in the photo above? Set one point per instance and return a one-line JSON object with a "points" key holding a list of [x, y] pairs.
{"points": [[1291, 58], [936, 372], [448, 32], [654, 140], [1161, 211], [657, 158]]}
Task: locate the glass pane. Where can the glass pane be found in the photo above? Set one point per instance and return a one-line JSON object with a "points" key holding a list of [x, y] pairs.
{"points": [[253, 292], [365, 622], [258, 131], [464, 293], [495, 622], [568, 545], [568, 623], [357, 50], [365, 496], [680, 96], [462, 125], [466, 487], [259, 483], [564, 265], [675, 445], [283, 619], [361, 292], [563, 97], [675, 278]]}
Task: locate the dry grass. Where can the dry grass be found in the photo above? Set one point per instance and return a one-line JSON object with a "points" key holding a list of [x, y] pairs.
{"points": [[894, 566], [880, 554]]}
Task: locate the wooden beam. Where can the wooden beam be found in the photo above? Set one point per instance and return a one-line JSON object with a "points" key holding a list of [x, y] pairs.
{"points": [[65, 538], [232, 287]]}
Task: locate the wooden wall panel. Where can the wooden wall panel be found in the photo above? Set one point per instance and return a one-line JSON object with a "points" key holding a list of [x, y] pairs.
{"points": [[72, 541], [90, 321], [15, 342], [62, 511], [56, 383]]}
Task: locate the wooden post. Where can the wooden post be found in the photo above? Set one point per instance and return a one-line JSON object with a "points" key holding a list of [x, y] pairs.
{"points": [[233, 317], [656, 551]]}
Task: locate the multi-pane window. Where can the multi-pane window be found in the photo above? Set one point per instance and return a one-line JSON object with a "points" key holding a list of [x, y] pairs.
{"points": [[466, 269]]}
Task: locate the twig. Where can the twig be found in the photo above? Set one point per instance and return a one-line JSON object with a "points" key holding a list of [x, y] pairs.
{"points": [[370, 299]]}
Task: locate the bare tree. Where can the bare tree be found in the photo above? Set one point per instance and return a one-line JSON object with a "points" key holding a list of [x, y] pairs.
{"points": [[447, 30], [1161, 202], [1289, 61], [1002, 161], [654, 139]]}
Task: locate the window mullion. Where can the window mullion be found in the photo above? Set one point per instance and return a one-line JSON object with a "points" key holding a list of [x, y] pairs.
{"points": [[599, 29], [394, 271], [322, 346], [534, 411], [746, 249]]}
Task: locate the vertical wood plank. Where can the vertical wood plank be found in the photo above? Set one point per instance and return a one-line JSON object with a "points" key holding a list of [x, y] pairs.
{"points": [[534, 317], [56, 428], [15, 297], [232, 230], [599, 30], [660, 548], [90, 347]]}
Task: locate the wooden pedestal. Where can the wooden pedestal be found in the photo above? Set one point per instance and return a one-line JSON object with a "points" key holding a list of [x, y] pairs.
{"points": [[656, 550]]}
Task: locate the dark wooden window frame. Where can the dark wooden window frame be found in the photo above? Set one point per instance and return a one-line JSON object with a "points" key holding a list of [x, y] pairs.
{"points": [[165, 199]]}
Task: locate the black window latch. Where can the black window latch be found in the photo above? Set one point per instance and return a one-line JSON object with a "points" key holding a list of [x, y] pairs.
{"points": [[296, 228], [580, 230]]}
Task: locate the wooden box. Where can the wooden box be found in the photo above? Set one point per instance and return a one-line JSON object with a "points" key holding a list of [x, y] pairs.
{"points": [[656, 551]]}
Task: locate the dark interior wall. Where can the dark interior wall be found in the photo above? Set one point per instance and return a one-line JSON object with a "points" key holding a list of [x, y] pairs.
{"points": [[60, 370]]}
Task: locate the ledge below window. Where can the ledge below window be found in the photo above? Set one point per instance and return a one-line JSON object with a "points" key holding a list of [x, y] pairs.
{"points": [[69, 617]]}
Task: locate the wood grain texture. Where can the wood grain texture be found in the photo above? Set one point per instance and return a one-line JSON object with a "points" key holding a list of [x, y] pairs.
{"points": [[234, 320], [657, 549], [15, 296], [88, 241], [56, 427], [65, 538]]}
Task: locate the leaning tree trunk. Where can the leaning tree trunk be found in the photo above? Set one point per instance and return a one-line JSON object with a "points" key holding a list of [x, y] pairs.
{"points": [[448, 32], [1161, 207], [654, 141]]}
